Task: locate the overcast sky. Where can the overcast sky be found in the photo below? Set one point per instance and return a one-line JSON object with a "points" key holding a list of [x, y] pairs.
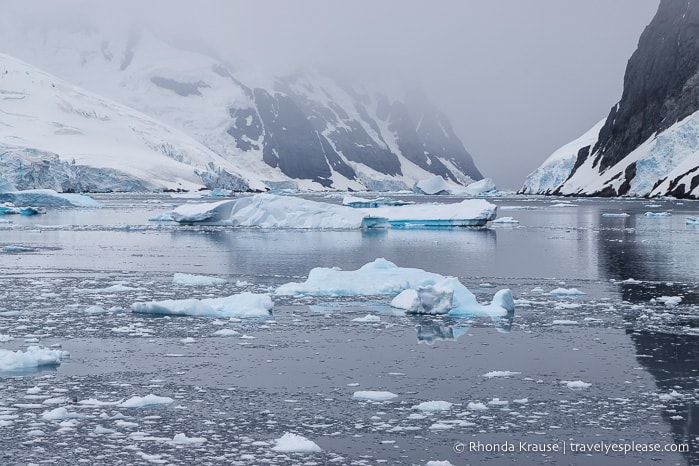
{"points": [[517, 78]]}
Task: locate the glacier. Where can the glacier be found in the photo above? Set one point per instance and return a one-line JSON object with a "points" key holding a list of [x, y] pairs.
{"points": [[556, 169], [59, 136], [276, 211], [306, 131], [438, 185]]}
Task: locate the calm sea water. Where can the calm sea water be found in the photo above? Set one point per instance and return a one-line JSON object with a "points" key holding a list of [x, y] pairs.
{"points": [[297, 370]]}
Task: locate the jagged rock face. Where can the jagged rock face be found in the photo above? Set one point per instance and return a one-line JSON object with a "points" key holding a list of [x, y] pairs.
{"points": [[661, 83], [649, 143]]}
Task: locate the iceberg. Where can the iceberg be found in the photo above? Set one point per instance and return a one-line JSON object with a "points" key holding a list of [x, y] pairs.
{"points": [[419, 291], [239, 305], [375, 278], [10, 210], [185, 279], [33, 358], [437, 185], [275, 211], [30, 199], [467, 213]]}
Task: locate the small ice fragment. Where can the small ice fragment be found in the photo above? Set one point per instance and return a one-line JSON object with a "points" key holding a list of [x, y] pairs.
{"points": [[293, 443], [433, 406], [371, 395], [576, 385], [492, 374]]}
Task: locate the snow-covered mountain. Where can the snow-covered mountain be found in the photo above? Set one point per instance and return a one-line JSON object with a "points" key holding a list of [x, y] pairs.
{"points": [[55, 135], [304, 131], [649, 143]]}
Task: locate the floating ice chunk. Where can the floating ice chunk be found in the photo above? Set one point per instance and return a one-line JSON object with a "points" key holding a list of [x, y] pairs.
{"points": [[505, 220], [148, 400], [367, 319], [184, 279], [692, 220], [564, 322], [427, 299], [374, 278], [609, 214], [670, 396], [226, 332], [631, 281], [670, 301], [118, 288], [92, 402], [576, 384], [658, 214], [438, 463], [239, 305], [46, 198], [476, 406], [467, 213], [34, 357], [59, 414], [94, 310], [182, 439], [372, 395], [293, 443], [567, 292], [407, 300], [272, 211], [492, 374], [433, 406]]}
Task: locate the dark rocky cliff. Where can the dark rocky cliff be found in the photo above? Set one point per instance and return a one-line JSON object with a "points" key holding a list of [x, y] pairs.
{"points": [[661, 83]]}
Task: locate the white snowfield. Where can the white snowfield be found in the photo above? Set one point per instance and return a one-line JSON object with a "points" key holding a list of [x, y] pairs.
{"points": [[238, 305], [33, 358], [274, 211], [422, 292], [45, 117], [557, 167]]}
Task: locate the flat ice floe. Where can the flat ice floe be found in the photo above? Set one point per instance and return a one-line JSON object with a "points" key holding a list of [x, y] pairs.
{"points": [[373, 395], [274, 211], [185, 279], [143, 401], [433, 406], [239, 305], [419, 291], [34, 357]]}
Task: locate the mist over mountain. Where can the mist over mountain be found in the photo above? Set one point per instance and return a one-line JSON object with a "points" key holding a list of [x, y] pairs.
{"points": [[304, 130]]}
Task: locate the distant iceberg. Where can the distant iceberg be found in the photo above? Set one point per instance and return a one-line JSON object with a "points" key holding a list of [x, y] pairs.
{"points": [[238, 305], [274, 211], [438, 185], [419, 291], [33, 358]]}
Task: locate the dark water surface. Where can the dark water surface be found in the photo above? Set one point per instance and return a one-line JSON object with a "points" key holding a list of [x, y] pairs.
{"points": [[296, 371]]}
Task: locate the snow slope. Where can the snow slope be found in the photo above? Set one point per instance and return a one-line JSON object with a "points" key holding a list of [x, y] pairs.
{"points": [[557, 167], [55, 135], [302, 132]]}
